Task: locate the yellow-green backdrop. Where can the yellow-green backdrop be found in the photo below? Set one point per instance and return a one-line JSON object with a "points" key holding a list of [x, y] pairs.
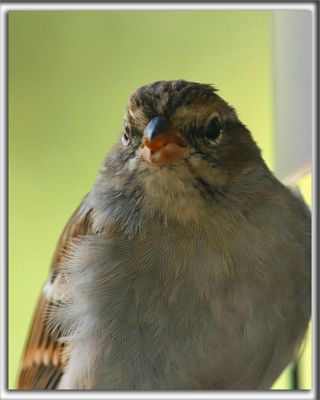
{"points": [[70, 75]]}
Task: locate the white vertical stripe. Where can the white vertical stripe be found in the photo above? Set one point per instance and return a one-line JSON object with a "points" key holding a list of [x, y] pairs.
{"points": [[292, 90]]}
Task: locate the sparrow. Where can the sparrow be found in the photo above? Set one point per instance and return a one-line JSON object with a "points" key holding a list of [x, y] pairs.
{"points": [[187, 266]]}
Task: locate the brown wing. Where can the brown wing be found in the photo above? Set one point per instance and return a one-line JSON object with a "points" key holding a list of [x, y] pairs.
{"points": [[43, 363]]}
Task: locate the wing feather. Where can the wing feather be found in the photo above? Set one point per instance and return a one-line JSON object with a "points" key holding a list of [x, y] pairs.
{"points": [[43, 361]]}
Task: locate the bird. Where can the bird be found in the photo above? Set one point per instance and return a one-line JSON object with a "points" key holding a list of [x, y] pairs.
{"points": [[186, 267]]}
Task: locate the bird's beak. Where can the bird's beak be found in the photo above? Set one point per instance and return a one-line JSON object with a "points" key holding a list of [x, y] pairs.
{"points": [[162, 144]]}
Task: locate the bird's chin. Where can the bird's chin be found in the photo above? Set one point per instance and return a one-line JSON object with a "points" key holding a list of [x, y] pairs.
{"points": [[167, 155]]}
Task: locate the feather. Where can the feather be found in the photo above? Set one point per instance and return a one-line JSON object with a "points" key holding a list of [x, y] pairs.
{"points": [[43, 362]]}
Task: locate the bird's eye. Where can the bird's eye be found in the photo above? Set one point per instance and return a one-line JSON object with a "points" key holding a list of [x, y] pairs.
{"points": [[213, 130], [126, 135]]}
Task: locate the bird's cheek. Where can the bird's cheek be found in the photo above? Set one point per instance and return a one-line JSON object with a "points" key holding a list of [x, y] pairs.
{"points": [[168, 154]]}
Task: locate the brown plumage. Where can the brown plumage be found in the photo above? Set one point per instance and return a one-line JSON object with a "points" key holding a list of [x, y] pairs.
{"points": [[187, 266], [43, 361]]}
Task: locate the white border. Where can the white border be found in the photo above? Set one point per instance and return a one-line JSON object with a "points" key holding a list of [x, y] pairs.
{"points": [[315, 239], [33, 395], [159, 6], [225, 395]]}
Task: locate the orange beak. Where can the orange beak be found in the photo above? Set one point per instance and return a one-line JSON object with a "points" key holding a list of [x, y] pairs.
{"points": [[161, 143]]}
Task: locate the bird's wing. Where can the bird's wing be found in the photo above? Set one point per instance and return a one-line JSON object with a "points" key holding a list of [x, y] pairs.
{"points": [[43, 362]]}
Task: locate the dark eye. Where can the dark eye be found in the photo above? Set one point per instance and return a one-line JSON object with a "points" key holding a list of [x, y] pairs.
{"points": [[126, 135], [213, 130]]}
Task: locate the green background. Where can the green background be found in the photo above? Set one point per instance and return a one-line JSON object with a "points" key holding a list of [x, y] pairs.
{"points": [[70, 76]]}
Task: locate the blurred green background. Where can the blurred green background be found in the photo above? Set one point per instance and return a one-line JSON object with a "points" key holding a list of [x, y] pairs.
{"points": [[70, 76]]}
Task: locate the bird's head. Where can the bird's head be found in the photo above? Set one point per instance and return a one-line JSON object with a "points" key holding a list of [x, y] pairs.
{"points": [[169, 121], [180, 141]]}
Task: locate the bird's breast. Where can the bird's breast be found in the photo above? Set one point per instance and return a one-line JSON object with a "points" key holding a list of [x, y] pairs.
{"points": [[168, 309]]}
